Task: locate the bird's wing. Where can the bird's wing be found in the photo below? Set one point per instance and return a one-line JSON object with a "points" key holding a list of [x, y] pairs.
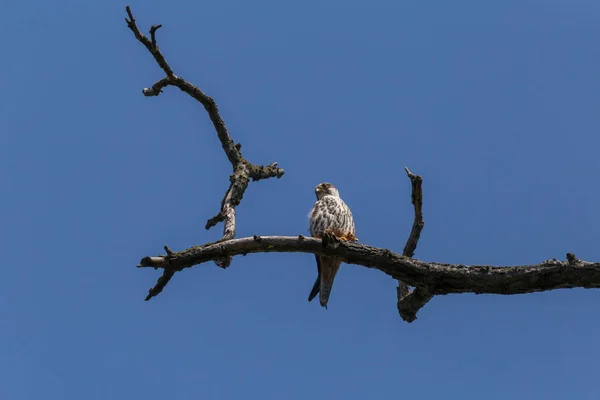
{"points": [[317, 285]]}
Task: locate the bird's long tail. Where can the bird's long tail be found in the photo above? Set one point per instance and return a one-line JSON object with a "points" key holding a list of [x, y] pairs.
{"points": [[329, 267]]}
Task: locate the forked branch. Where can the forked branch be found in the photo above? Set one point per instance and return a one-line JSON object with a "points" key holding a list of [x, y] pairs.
{"points": [[428, 278], [436, 278], [243, 170]]}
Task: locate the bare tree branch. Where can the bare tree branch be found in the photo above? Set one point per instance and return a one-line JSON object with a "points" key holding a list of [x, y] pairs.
{"points": [[150, 45], [436, 278], [418, 223], [410, 303], [243, 170], [428, 278]]}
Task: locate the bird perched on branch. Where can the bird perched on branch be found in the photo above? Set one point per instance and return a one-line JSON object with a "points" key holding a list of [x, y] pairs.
{"points": [[329, 215]]}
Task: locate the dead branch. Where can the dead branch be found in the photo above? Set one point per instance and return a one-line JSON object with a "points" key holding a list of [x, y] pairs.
{"points": [[428, 278], [435, 278], [410, 303], [243, 170], [418, 223]]}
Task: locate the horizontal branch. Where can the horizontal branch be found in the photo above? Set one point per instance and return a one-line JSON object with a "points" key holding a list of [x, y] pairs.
{"points": [[435, 278]]}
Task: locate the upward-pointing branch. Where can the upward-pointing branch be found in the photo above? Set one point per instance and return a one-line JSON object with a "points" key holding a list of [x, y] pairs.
{"points": [[243, 170], [410, 303]]}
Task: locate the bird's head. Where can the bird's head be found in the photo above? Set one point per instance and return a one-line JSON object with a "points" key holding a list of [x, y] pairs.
{"points": [[326, 189]]}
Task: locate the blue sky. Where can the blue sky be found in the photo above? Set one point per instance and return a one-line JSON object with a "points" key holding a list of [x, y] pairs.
{"points": [[495, 105]]}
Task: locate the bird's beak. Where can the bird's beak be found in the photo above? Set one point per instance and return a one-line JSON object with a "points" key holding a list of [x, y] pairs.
{"points": [[318, 189]]}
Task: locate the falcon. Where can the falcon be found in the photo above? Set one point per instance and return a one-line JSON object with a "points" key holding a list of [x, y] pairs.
{"points": [[329, 215]]}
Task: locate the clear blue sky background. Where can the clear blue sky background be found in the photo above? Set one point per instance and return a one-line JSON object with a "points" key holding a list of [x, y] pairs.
{"points": [[495, 105]]}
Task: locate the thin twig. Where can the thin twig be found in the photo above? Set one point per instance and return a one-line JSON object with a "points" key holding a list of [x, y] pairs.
{"points": [[153, 30], [152, 48], [160, 284]]}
